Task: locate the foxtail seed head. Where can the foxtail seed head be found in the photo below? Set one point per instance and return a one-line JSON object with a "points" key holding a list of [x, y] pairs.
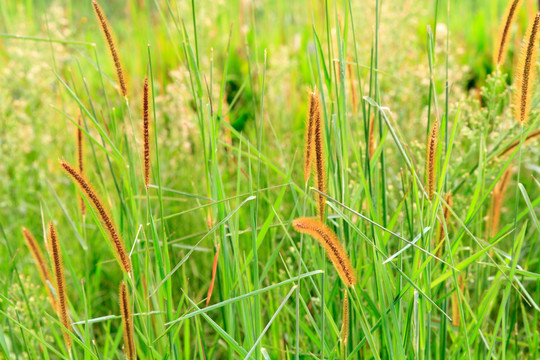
{"points": [[106, 29], [501, 45], [431, 160], [310, 124], [146, 136], [320, 167], [525, 74], [41, 264], [106, 220], [334, 250], [60, 286], [127, 323]]}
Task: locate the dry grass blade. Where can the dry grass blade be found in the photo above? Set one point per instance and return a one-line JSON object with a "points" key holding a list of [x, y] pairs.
{"points": [[60, 283], [328, 239], [106, 29], [525, 74], [127, 323], [510, 15], [114, 236]]}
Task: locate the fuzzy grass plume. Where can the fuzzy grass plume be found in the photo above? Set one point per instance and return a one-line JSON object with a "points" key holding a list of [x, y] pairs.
{"points": [[106, 29], [41, 264], [334, 250], [431, 160], [310, 124], [146, 136], [501, 45], [108, 224], [60, 283], [320, 169], [127, 323], [525, 73]]}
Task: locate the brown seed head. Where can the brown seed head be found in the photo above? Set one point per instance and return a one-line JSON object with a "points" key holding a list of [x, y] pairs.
{"points": [[41, 264], [62, 308], [431, 160], [127, 323], [525, 74], [146, 137], [334, 250], [106, 220], [106, 29], [510, 15]]}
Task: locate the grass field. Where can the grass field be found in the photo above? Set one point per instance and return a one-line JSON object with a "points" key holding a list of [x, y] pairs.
{"points": [[421, 162]]}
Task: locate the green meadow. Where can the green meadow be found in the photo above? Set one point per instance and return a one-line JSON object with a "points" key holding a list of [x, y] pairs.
{"points": [[407, 131]]}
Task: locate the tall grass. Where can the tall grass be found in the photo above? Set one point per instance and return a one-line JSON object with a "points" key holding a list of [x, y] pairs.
{"points": [[425, 198]]}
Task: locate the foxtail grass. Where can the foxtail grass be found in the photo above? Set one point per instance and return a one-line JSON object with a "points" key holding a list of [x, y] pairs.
{"points": [[60, 283], [329, 240], [431, 160], [127, 323], [508, 19], [310, 125], [146, 132], [99, 206], [320, 168], [41, 264], [525, 73], [106, 29]]}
